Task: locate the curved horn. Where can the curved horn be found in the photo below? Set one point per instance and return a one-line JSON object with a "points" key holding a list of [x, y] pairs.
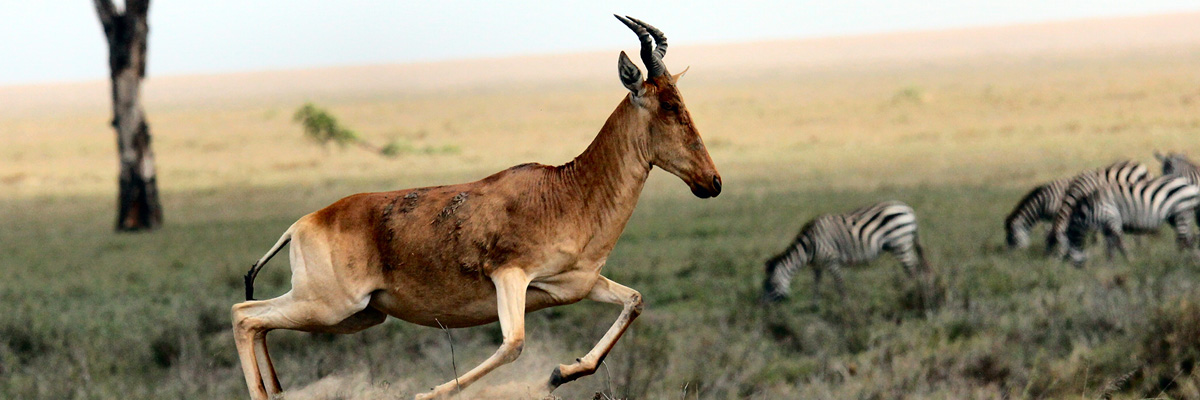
{"points": [[660, 40], [650, 57]]}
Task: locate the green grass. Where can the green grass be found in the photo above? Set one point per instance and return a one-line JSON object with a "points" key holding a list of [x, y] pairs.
{"points": [[91, 314]]}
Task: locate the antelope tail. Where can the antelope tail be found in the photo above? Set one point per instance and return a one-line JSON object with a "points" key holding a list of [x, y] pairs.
{"points": [[253, 272]]}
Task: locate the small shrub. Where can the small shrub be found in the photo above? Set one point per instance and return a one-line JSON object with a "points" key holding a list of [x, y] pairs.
{"points": [[165, 348], [399, 147], [911, 94], [1170, 349], [23, 342], [322, 127], [396, 147]]}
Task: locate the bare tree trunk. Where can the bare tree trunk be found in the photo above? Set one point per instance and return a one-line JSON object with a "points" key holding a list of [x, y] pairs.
{"points": [[138, 207]]}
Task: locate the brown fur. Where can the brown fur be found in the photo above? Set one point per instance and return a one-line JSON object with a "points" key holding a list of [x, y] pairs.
{"points": [[526, 238]]}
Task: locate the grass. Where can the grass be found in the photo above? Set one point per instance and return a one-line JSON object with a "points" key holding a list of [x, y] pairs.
{"points": [[146, 316], [95, 315]]}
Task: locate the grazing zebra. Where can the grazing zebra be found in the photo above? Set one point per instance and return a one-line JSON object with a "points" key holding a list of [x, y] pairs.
{"points": [[1083, 185], [830, 241], [1040, 204], [1138, 207]]}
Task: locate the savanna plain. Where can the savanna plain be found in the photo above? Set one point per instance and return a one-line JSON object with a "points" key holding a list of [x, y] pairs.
{"points": [[958, 124]]}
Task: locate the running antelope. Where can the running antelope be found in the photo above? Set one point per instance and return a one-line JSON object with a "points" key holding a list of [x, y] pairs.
{"points": [[526, 238]]}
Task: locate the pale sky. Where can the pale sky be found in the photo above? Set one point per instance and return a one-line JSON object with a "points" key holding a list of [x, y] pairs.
{"points": [[61, 40]]}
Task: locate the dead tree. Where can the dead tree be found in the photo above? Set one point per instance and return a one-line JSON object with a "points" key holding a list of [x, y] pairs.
{"points": [[138, 207]]}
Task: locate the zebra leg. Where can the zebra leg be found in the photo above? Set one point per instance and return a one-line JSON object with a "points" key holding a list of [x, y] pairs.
{"points": [[912, 257], [1051, 243], [1077, 257], [1112, 237], [1183, 230], [1109, 248], [816, 291], [835, 269], [1077, 233], [1057, 240], [1198, 215], [1196, 250]]}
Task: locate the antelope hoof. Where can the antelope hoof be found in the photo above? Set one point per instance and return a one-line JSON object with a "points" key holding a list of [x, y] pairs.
{"points": [[556, 379], [566, 373]]}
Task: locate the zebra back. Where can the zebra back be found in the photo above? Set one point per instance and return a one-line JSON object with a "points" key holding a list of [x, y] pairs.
{"points": [[1179, 164], [1144, 204], [873, 226], [1083, 185]]}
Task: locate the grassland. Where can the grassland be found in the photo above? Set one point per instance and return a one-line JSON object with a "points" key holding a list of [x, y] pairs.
{"points": [[815, 126]]}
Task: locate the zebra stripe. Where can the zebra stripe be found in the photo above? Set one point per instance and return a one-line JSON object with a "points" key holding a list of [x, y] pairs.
{"points": [[832, 240], [1039, 205], [1082, 186], [1179, 164], [1138, 207]]}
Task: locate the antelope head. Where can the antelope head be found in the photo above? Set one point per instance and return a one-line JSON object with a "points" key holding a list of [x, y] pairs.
{"points": [[671, 139]]}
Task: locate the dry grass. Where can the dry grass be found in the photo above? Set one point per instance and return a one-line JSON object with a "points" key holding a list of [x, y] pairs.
{"points": [[955, 123], [824, 107]]}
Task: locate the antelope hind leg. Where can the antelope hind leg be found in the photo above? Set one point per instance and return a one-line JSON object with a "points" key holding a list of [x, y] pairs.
{"points": [[605, 291], [266, 367], [253, 319], [511, 285], [364, 319]]}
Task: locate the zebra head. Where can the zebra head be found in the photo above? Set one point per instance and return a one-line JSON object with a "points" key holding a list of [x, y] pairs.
{"points": [[781, 267], [1017, 238], [1175, 163]]}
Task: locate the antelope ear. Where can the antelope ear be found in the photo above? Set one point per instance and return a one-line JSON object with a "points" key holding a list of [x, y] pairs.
{"points": [[675, 78], [630, 75]]}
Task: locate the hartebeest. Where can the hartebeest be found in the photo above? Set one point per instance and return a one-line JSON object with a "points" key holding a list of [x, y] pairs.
{"points": [[527, 238]]}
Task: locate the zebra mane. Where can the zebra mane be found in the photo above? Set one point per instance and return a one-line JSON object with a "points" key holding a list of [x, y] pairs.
{"points": [[1026, 202], [798, 245], [1178, 163]]}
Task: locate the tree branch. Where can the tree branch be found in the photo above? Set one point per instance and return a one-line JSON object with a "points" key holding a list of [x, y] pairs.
{"points": [[137, 7], [107, 12]]}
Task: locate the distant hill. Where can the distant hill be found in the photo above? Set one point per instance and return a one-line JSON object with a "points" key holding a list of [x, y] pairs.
{"points": [[1172, 32]]}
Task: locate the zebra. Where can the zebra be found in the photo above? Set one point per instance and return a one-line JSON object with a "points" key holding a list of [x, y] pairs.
{"points": [[1040, 204], [1083, 185], [1138, 207], [1179, 164], [832, 240]]}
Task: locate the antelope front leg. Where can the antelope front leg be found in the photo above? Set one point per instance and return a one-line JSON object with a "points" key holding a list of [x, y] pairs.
{"points": [[511, 285], [605, 291]]}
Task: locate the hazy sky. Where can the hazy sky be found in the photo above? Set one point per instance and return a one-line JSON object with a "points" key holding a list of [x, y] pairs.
{"points": [[61, 40]]}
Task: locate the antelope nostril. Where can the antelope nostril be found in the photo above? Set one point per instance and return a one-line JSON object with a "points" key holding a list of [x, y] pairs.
{"points": [[717, 184]]}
